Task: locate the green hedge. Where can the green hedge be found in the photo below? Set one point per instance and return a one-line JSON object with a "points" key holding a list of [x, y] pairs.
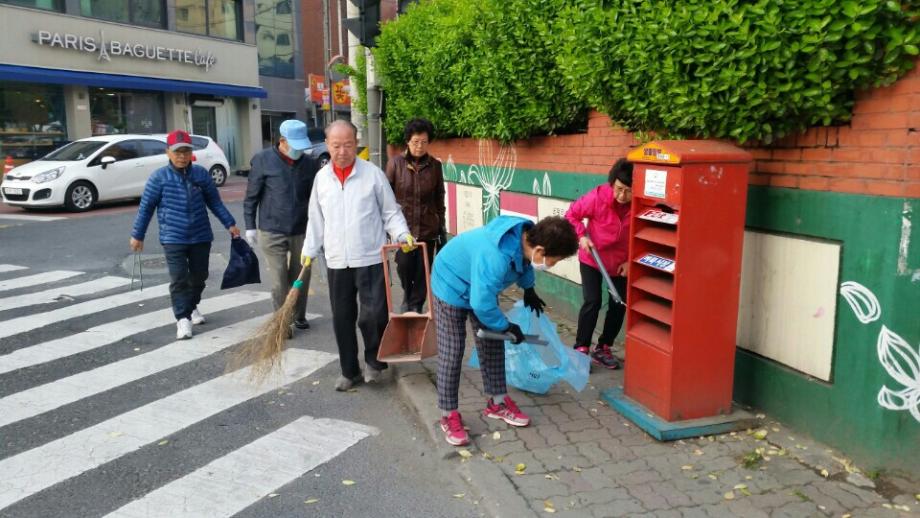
{"points": [[741, 69]]}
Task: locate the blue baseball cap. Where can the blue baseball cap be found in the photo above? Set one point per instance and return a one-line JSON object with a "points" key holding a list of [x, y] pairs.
{"points": [[295, 132]]}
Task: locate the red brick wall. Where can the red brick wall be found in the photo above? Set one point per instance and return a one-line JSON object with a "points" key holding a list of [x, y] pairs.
{"points": [[878, 153]]}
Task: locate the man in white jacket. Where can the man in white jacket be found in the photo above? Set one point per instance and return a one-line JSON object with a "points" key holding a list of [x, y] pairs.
{"points": [[352, 209]]}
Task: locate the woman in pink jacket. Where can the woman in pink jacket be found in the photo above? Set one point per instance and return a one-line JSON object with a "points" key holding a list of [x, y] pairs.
{"points": [[606, 210]]}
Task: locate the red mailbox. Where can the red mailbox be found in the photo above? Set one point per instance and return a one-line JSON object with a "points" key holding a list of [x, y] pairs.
{"points": [[685, 247]]}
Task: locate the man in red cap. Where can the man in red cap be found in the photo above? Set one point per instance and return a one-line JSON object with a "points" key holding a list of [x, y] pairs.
{"points": [[181, 193]]}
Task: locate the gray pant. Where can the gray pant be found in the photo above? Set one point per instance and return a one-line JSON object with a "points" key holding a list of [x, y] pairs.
{"points": [[282, 260]]}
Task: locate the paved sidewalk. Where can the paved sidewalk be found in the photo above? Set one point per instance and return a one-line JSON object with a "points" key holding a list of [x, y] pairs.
{"points": [[579, 457]]}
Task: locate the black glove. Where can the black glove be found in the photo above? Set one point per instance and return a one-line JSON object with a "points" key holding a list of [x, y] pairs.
{"points": [[533, 301], [515, 330]]}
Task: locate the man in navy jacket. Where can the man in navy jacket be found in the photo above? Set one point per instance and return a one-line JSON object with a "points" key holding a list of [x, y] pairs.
{"points": [[181, 193]]}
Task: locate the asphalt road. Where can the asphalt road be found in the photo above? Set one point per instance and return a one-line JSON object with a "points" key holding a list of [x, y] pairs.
{"points": [[101, 411]]}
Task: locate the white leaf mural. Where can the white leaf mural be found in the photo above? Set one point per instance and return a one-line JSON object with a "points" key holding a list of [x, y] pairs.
{"points": [[494, 174], [902, 362], [863, 302]]}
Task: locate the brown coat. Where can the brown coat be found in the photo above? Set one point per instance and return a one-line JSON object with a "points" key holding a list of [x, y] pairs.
{"points": [[420, 192]]}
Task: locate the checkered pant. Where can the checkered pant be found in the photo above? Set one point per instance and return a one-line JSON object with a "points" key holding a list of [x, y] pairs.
{"points": [[451, 322]]}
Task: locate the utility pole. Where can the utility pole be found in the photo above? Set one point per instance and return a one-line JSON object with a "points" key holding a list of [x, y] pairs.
{"points": [[328, 116], [354, 46], [374, 105]]}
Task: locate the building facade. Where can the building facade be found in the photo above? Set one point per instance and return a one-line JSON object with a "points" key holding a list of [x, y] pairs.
{"points": [[71, 69]]}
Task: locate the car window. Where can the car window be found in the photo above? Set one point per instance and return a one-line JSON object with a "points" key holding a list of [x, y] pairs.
{"points": [[80, 150], [199, 142], [152, 147], [120, 151]]}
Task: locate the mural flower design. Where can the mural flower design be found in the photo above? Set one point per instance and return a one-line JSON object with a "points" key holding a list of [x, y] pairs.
{"points": [[547, 189], [862, 301], [494, 174], [450, 170], [903, 364]]}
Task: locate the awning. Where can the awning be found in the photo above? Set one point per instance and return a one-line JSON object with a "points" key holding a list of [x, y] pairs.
{"points": [[70, 77]]}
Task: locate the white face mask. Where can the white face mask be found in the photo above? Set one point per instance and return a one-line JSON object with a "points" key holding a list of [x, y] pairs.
{"points": [[294, 154], [542, 267]]}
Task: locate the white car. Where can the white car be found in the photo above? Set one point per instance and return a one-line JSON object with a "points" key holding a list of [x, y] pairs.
{"points": [[94, 169]]}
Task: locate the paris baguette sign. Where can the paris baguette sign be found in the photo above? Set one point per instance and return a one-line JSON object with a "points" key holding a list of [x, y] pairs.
{"points": [[105, 49]]}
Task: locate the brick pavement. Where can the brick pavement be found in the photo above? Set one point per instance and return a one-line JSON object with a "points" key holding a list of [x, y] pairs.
{"points": [[582, 459]]}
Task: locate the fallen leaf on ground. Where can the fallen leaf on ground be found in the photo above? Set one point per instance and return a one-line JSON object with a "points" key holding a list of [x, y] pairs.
{"points": [[902, 508], [917, 496], [740, 486], [496, 436], [775, 429], [352, 390], [576, 469], [760, 434], [825, 473], [520, 468], [748, 477], [548, 506], [464, 453], [459, 495], [686, 467], [316, 382], [887, 506], [115, 434], [272, 495], [760, 416], [697, 451], [137, 348], [163, 442], [713, 477], [311, 500], [551, 476], [730, 495], [348, 482]]}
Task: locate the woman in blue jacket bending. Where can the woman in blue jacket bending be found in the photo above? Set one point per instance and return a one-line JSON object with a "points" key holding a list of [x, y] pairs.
{"points": [[468, 275]]}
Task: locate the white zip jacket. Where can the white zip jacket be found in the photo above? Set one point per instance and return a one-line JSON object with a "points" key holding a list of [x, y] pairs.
{"points": [[349, 223]]}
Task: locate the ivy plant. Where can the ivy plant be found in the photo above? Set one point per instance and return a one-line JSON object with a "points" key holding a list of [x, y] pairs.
{"points": [[358, 80]]}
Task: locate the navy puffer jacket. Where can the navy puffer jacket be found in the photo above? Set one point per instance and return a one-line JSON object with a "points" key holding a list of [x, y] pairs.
{"points": [[181, 199]]}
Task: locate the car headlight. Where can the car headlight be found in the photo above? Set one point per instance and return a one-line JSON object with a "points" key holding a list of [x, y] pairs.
{"points": [[47, 176]]}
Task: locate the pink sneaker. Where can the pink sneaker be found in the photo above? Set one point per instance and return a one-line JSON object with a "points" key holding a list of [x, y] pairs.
{"points": [[508, 412], [454, 433], [583, 349]]}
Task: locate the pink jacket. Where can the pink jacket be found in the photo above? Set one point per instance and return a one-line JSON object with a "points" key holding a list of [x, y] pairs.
{"points": [[608, 227]]}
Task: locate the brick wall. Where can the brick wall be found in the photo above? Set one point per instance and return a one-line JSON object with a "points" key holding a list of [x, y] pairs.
{"points": [[878, 153]]}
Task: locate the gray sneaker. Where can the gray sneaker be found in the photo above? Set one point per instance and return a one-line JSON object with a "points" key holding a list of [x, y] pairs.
{"points": [[371, 375], [342, 384]]}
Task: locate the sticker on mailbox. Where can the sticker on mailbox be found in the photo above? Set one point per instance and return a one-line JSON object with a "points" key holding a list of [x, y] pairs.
{"points": [[657, 262], [659, 216], [655, 183]]}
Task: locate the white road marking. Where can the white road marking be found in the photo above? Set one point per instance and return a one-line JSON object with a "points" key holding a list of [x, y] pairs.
{"points": [[237, 480], [112, 332], [27, 323], [34, 470], [43, 398], [11, 268], [29, 217], [38, 278], [74, 290]]}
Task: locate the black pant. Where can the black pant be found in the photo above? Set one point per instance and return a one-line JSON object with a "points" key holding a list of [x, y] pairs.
{"points": [[366, 284], [411, 271], [188, 269], [592, 288]]}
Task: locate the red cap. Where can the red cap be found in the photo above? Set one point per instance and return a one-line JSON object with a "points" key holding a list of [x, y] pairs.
{"points": [[178, 139]]}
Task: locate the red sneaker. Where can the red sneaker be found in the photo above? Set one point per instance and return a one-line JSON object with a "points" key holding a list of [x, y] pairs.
{"points": [[508, 412], [454, 433], [603, 357]]}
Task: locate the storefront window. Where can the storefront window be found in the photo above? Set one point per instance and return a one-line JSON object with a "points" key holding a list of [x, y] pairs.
{"points": [[122, 111], [51, 5], [138, 12], [218, 18], [31, 120], [274, 38]]}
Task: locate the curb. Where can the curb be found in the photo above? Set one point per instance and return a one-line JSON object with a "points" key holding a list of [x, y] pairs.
{"points": [[498, 495]]}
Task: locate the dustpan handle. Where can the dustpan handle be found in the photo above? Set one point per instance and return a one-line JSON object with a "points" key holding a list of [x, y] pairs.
{"points": [[384, 252]]}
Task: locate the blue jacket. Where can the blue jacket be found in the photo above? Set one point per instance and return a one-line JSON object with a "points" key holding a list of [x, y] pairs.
{"points": [[474, 267], [181, 200]]}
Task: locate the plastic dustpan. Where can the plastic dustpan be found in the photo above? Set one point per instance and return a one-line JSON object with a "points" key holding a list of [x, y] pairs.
{"points": [[409, 337]]}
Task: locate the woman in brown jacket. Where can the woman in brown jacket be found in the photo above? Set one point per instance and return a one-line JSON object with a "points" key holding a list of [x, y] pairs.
{"points": [[418, 182]]}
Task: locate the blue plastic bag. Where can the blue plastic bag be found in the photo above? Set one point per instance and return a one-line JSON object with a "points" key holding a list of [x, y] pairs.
{"points": [[536, 368]]}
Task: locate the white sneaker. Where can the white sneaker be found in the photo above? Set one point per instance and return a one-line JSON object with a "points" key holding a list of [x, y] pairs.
{"points": [[197, 317], [183, 329]]}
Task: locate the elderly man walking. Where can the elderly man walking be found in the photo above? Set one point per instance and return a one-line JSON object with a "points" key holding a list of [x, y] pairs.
{"points": [[352, 209], [181, 194], [278, 190]]}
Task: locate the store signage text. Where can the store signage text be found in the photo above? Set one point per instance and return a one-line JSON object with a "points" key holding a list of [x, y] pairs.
{"points": [[106, 48]]}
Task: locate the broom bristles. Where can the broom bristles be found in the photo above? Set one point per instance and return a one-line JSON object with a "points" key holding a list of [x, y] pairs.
{"points": [[263, 351]]}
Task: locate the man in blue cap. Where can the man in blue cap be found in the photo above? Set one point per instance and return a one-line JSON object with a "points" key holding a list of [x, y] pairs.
{"points": [[278, 191]]}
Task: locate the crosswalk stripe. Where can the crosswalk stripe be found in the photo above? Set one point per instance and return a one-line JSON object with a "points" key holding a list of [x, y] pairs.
{"points": [[32, 471], [43, 398], [83, 309], [38, 278], [28, 217], [112, 332], [52, 295], [11, 268], [237, 480]]}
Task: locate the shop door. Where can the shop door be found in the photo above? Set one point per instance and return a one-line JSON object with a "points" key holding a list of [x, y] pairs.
{"points": [[204, 121]]}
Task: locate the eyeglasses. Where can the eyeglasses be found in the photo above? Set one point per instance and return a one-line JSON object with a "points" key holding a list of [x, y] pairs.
{"points": [[418, 142]]}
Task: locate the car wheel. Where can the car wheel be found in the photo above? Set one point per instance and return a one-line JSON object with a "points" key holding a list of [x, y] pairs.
{"points": [[323, 160], [80, 197], [219, 175]]}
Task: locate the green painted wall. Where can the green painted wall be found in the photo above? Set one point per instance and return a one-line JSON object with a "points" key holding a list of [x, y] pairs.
{"points": [[874, 237]]}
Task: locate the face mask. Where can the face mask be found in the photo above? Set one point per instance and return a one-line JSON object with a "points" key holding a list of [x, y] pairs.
{"points": [[294, 154], [539, 267]]}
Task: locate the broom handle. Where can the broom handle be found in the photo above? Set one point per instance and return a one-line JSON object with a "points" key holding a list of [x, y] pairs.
{"points": [[298, 284]]}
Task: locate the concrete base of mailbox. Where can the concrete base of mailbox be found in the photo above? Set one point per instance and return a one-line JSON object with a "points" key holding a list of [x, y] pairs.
{"points": [[672, 430]]}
